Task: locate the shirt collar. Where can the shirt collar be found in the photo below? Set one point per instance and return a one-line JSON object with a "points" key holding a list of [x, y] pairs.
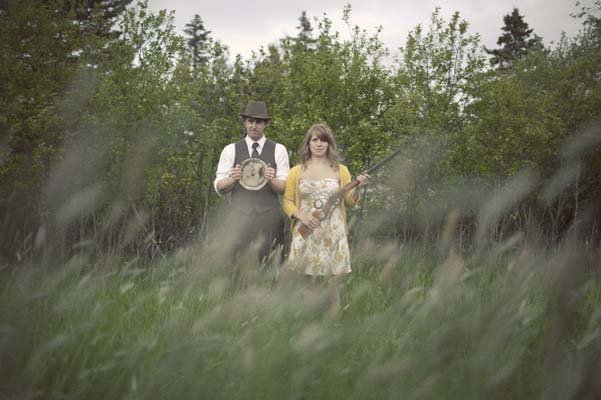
{"points": [[249, 142]]}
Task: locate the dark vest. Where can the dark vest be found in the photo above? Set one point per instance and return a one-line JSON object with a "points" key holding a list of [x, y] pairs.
{"points": [[255, 201]]}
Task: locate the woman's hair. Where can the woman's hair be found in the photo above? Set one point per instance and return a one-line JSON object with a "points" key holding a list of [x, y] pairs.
{"points": [[323, 132]]}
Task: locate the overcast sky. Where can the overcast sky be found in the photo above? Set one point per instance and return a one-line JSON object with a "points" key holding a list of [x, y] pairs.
{"points": [[247, 25]]}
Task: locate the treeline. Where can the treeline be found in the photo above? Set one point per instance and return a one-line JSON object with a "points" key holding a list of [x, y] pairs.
{"points": [[112, 125]]}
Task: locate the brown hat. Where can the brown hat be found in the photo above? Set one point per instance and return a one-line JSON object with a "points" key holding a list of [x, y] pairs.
{"points": [[256, 109]]}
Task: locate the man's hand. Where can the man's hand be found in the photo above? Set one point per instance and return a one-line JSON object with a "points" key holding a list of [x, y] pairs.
{"points": [[277, 185], [236, 173], [227, 184], [269, 173]]}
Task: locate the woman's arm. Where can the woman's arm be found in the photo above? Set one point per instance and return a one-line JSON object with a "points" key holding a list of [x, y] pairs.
{"points": [[288, 205], [353, 196], [288, 201]]}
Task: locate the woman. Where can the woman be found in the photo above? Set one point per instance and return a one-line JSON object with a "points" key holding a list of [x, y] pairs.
{"points": [[325, 251]]}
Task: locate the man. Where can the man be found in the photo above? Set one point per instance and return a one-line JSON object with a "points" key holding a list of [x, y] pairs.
{"points": [[255, 214]]}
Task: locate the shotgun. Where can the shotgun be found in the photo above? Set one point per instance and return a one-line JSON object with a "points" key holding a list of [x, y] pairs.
{"points": [[323, 210]]}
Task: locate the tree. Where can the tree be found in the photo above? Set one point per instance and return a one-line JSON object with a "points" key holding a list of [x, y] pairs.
{"points": [[305, 35], [96, 20], [197, 40], [437, 71], [438, 68], [99, 14], [515, 41], [69, 129], [36, 63]]}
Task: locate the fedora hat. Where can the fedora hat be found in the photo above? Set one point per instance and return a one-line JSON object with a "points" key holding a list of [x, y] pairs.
{"points": [[256, 109]]}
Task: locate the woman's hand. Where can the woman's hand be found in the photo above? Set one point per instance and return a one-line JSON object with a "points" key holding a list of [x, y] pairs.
{"points": [[363, 178], [308, 219]]}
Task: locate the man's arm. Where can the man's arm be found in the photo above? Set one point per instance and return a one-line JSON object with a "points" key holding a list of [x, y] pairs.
{"points": [[227, 184], [227, 174], [278, 185], [278, 182]]}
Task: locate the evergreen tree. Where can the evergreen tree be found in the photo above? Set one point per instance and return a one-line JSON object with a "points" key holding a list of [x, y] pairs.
{"points": [[86, 12], [515, 41], [93, 17], [306, 30], [96, 20], [197, 40], [591, 24], [305, 36]]}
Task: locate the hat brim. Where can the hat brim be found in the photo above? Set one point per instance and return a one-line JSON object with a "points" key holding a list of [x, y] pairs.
{"points": [[255, 116]]}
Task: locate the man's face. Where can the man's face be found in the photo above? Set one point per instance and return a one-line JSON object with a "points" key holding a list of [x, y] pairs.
{"points": [[255, 127]]}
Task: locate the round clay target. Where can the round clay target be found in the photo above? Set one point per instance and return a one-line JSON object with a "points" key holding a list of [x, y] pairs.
{"points": [[253, 174]]}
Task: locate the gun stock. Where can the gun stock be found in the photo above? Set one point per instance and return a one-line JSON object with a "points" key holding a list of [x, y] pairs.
{"points": [[332, 202]]}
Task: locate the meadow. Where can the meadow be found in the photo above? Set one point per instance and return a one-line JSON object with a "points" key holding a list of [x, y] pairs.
{"points": [[476, 268], [510, 321]]}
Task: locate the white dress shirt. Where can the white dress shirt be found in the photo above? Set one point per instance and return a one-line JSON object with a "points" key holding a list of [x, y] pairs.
{"points": [[228, 155]]}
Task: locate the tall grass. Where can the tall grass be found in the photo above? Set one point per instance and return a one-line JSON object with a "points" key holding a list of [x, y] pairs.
{"points": [[511, 322], [500, 318]]}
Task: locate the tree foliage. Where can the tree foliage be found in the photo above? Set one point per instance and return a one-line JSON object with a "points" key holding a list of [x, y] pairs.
{"points": [[515, 40], [112, 123], [197, 41]]}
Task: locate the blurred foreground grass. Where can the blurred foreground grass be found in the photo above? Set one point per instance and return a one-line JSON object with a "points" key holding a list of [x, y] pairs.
{"points": [[512, 322]]}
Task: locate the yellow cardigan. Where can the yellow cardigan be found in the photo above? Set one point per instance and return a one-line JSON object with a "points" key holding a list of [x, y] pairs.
{"points": [[291, 200]]}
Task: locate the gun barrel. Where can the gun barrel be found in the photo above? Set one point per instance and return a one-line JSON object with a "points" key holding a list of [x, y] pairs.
{"points": [[376, 166]]}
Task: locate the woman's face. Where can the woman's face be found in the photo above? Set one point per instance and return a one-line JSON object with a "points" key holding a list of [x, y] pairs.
{"points": [[318, 147]]}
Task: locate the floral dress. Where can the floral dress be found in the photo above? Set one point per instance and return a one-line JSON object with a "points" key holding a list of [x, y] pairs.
{"points": [[326, 250]]}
